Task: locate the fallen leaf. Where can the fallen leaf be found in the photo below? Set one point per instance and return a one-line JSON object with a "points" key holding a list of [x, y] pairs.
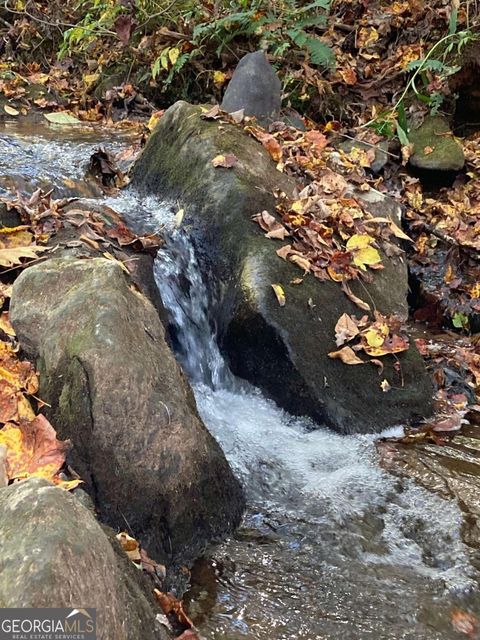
{"points": [[355, 299], [10, 110], [61, 117], [179, 217], [227, 161], [280, 293], [385, 386], [303, 263], [123, 28], [363, 252], [14, 256], [170, 605], [130, 546], [464, 622], [33, 449], [345, 330], [347, 355]]}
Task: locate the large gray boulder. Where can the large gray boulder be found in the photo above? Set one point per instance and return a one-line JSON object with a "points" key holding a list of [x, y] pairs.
{"points": [[117, 392], [255, 88], [283, 350], [55, 554]]}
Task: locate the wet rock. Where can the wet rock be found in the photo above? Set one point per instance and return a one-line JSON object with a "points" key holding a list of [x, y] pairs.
{"points": [[117, 392], [255, 88], [434, 147], [55, 554], [282, 350]]}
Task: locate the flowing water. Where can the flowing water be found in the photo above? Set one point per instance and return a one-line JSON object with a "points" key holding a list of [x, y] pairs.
{"points": [[331, 547]]}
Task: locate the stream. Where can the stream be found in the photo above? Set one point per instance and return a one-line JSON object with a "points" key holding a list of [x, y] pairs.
{"points": [[331, 546]]}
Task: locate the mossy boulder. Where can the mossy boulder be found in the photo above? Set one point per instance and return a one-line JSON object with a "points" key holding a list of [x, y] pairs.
{"points": [[55, 554], [117, 392], [283, 350], [434, 146]]}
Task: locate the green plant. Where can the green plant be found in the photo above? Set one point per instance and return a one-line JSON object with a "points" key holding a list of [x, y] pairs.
{"points": [[98, 19], [437, 63], [278, 26]]}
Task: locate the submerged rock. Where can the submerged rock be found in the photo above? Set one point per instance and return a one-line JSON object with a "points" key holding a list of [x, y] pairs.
{"points": [[283, 350], [434, 147], [255, 88], [117, 392], [55, 554]]}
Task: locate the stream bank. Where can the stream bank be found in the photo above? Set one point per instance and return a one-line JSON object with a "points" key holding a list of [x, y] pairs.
{"points": [[324, 522]]}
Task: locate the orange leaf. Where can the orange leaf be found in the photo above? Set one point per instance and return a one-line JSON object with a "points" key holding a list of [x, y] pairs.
{"points": [[33, 449]]}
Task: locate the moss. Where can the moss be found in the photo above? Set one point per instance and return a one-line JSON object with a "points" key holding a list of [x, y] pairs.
{"points": [[435, 148]]}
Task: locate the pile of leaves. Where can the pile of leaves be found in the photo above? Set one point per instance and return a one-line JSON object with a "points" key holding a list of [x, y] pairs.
{"points": [[446, 230], [380, 337], [29, 446]]}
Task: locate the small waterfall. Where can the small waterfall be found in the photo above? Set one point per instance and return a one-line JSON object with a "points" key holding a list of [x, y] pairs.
{"points": [[186, 298]]}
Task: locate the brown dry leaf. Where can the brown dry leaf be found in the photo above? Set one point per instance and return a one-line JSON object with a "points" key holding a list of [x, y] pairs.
{"points": [[316, 139], [348, 75], [226, 161], [33, 449], [280, 293], [268, 141], [170, 605], [130, 546], [5, 324], [303, 263], [20, 375], [355, 299], [464, 622], [346, 355], [346, 329]]}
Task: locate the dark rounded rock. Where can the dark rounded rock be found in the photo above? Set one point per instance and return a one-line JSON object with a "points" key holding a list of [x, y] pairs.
{"points": [[283, 350]]}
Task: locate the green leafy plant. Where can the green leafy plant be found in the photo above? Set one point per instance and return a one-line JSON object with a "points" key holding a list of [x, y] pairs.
{"points": [[436, 63], [278, 26]]}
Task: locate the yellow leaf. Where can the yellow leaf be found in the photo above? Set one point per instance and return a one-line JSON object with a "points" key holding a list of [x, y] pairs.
{"points": [[91, 78], [13, 256], [173, 54], [359, 241], [369, 255], [280, 293], [363, 252], [219, 78], [375, 336]]}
